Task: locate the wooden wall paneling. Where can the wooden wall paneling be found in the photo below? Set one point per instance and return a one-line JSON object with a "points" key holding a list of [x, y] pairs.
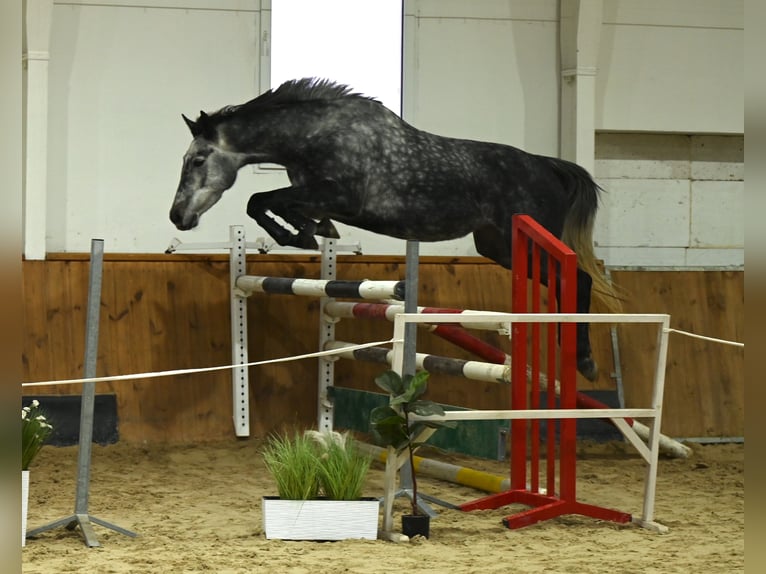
{"points": [[183, 311], [283, 395], [128, 350], [169, 313], [35, 357], [704, 388], [56, 299]]}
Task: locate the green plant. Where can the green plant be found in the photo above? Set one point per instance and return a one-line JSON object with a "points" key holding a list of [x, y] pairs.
{"points": [[393, 426], [316, 464], [342, 467], [292, 463], [35, 430]]}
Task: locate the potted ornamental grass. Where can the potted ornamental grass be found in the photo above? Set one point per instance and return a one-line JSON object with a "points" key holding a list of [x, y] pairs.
{"points": [[35, 430], [393, 426], [320, 478]]}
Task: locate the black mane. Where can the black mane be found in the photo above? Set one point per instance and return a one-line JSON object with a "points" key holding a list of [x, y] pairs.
{"points": [[294, 91]]}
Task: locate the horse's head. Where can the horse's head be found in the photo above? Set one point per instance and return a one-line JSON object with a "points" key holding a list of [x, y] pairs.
{"points": [[208, 170]]}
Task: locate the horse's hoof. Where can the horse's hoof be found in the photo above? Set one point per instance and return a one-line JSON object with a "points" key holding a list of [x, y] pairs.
{"points": [[588, 368], [325, 228], [254, 208], [306, 242]]}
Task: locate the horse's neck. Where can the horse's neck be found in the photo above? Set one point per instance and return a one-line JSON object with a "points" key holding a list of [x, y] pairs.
{"points": [[269, 136]]}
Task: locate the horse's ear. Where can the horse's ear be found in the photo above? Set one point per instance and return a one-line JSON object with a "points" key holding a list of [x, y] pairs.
{"points": [[193, 127], [204, 126]]}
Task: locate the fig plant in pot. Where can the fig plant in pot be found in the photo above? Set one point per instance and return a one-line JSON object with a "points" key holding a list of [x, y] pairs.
{"points": [[392, 425]]}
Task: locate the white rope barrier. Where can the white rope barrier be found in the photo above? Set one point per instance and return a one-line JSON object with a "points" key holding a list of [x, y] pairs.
{"points": [[207, 369], [713, 339], [348, 349]]}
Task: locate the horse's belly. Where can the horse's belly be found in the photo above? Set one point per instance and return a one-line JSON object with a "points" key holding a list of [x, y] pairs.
{"points": [[412, 226]]}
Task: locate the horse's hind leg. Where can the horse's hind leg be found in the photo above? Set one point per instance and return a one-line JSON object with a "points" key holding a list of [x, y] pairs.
{"points": [[325, 228], [491, 243], [585, 363]]}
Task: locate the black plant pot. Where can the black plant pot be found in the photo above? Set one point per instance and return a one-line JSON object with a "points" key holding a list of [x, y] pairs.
{"points": [[416, 525]]}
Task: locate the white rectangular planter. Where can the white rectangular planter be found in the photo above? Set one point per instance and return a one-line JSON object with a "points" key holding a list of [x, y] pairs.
{"points": [[320, 519]]}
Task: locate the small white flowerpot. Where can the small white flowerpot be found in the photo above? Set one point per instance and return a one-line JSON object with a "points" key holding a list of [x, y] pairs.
{"points": [[24, 505], [320, 519]]}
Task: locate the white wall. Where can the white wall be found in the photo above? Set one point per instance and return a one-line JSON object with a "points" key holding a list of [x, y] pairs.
{"points": [[673, 66], [671, 200], [487, 70], [121, 75]]}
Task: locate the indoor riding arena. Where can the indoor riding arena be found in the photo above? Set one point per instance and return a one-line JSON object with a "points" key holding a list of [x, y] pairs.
{"points": [[539, 204]]}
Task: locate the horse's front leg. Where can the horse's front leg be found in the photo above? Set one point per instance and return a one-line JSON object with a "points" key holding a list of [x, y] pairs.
{"points": [[257, 208], [290, 203], [307, 228]]}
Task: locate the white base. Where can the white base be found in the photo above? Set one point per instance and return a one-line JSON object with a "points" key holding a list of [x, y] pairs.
{"points": [[320, 519], [651, 525]]}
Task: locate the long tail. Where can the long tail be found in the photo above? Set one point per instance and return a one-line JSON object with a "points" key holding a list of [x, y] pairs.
{"points": [[578, 229]]}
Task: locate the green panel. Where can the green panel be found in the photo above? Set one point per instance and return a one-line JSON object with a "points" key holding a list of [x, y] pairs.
{"points": [[484, 439]]}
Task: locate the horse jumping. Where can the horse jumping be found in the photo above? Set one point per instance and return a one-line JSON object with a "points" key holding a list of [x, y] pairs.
{"points": [[350, 159]]}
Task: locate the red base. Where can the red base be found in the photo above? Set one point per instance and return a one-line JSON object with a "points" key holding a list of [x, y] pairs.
{"points": [[544, 508]]}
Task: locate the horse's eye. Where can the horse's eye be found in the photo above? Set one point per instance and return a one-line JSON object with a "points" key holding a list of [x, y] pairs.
{"points": [[198, 161]]}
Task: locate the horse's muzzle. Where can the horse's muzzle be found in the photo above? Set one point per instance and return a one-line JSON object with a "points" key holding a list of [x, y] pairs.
{"points": [[183, 222]]}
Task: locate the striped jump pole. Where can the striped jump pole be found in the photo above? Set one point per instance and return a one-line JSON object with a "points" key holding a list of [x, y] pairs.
{"points": [[455, 334], [364, 289], [387, 311], [461, 475], [473, 370]]}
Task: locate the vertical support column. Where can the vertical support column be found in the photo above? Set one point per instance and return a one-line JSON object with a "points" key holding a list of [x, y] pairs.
{"points": [[37, 21], [81, 517], [409, 359], [567, 303], [519, 361], [238, 311], [554, 305], [88, 400], [326, 376], [647, 515], [411, 306], [579, 39], [392, 459]]}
